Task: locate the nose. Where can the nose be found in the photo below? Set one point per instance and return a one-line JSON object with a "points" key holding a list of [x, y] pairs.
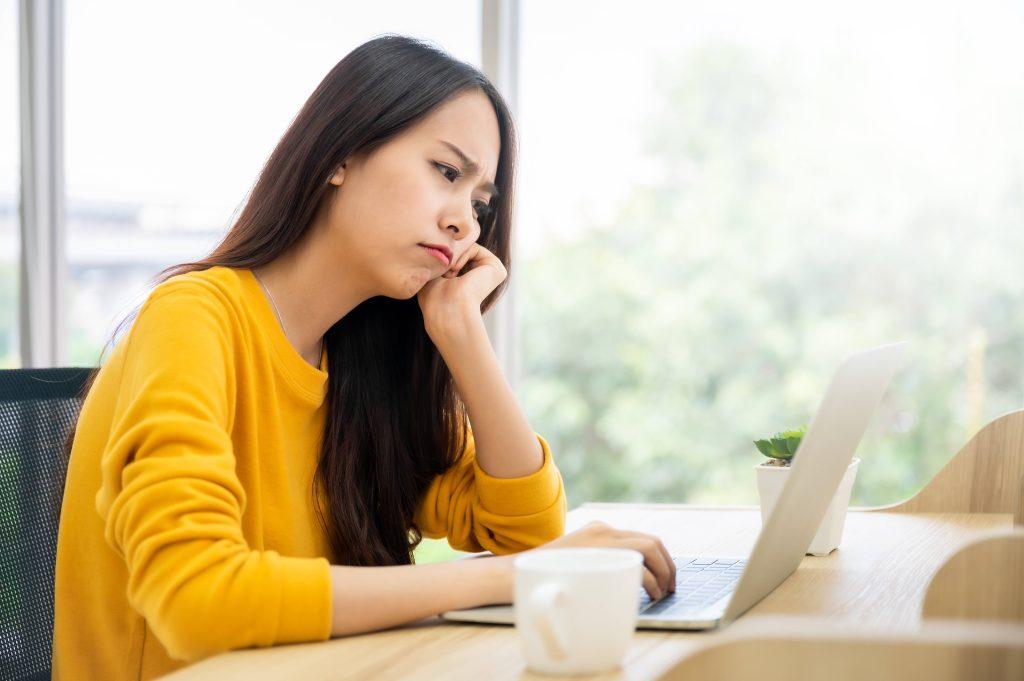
{"points": [[463, 225]]}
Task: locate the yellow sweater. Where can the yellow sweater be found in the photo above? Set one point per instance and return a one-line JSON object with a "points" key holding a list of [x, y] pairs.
{"points": [[188, 525]]}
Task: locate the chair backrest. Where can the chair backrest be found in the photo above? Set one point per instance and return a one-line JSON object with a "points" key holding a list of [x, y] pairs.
{"points": [[38, 409]]}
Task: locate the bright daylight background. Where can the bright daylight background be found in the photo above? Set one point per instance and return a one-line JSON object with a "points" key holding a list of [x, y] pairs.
{"points": [[718, 200]]}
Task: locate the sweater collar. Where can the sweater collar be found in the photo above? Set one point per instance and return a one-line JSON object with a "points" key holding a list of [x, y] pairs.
{"points": [[305, 377]]}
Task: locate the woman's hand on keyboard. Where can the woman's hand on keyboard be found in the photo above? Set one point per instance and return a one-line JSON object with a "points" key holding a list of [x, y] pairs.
{"points": [[659, 570]]}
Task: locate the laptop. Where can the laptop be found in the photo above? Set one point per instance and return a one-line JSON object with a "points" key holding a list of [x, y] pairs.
{"points": [[712, 591]]}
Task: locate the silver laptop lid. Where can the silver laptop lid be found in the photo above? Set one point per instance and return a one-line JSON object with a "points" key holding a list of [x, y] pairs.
{"points": [[818, 467]]}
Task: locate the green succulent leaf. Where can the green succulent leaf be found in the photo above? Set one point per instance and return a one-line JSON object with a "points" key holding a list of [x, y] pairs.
{"points": [[781, 451], [782, 445]]}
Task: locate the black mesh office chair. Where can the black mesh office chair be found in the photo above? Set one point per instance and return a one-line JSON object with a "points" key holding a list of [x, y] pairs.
{"points": [[38, 408]]}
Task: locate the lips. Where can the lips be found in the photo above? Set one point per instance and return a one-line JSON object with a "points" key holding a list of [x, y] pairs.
{"points": [[442, 253]]}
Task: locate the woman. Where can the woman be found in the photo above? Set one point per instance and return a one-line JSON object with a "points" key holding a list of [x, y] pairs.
{"points": [[259, 456]]}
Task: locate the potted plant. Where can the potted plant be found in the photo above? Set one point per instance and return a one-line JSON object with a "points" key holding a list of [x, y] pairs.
{"points": [[772, 475]]}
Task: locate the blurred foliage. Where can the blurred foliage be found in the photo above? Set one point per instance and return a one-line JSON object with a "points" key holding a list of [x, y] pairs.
{"points": [[783, 232], [718, 302], [435, 551]]}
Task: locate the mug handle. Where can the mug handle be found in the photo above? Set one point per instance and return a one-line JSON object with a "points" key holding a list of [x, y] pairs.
{"points": [[541, 607]]}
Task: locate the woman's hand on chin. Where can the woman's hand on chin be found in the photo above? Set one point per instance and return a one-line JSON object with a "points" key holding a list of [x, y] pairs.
{"points": [[452, 301]]}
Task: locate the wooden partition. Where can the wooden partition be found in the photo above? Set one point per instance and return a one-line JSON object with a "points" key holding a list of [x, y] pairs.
{"points": [[985, 476], [983, 580], [807, 649]]}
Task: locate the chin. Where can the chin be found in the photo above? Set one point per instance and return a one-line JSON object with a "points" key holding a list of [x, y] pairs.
{"points": [[412, 284]]}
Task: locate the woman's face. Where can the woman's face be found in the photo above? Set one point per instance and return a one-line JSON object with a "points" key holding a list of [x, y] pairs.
{"points": [[416, 189]]}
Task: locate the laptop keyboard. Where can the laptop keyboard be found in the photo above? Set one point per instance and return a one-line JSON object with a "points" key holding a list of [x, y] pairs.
{"points": [[699, 583]]}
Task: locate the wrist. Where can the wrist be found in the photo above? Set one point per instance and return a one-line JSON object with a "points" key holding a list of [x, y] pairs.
{"points": [[502, 581], [458, 326]]}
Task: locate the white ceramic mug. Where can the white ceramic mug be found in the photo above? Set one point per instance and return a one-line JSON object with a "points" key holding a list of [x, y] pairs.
{"points": [[576, 608]]}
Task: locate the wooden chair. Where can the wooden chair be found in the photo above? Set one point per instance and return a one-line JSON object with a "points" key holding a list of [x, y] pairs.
{"points": [[806, 649], [985, 476]]}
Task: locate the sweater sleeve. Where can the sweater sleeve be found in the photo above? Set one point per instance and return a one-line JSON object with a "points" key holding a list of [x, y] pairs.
{"points": [[172, 504], [478, 512]]}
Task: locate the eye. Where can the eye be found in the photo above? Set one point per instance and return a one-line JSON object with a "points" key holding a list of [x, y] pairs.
{"points": [[482, 210], [448, 169]]}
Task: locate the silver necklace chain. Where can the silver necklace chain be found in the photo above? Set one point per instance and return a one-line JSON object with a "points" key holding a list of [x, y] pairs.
{"points": [[280, 319]]}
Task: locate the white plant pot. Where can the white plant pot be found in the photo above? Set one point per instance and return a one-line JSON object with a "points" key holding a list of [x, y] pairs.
{"points": [[770, 480]]}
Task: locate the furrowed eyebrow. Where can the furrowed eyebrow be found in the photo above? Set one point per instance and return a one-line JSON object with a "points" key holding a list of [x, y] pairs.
{"points": [[471, 168]]}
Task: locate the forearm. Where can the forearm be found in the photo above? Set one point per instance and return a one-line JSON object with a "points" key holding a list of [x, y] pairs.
{"points": [[506, 446], [372, 598]]}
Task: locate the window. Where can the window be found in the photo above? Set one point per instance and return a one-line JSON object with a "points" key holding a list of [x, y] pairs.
{"points": [[10, 169], [721, 199], [172, 110]]}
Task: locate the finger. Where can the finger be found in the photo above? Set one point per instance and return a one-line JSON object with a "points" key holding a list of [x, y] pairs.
{"points": [[664, 553], [483, 252], [455, 269], [465, 257], [653, 558], [651, 585], [460, 262], [671, 565]]}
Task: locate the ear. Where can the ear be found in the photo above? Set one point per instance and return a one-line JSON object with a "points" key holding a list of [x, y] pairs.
{"points": [[338, 177]]}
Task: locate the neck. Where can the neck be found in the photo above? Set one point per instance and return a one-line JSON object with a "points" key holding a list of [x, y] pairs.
{"points": [[311, 293]]}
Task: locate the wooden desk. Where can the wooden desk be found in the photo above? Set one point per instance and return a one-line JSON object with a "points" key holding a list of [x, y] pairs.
{"points": [[877, 578]]}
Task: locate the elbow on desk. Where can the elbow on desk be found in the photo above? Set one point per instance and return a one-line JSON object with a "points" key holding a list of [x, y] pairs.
{"points": [[190, 630], [204, 614]]}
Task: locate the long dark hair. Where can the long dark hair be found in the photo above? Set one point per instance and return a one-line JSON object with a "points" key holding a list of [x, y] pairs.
{"points": [[394, 419]]}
